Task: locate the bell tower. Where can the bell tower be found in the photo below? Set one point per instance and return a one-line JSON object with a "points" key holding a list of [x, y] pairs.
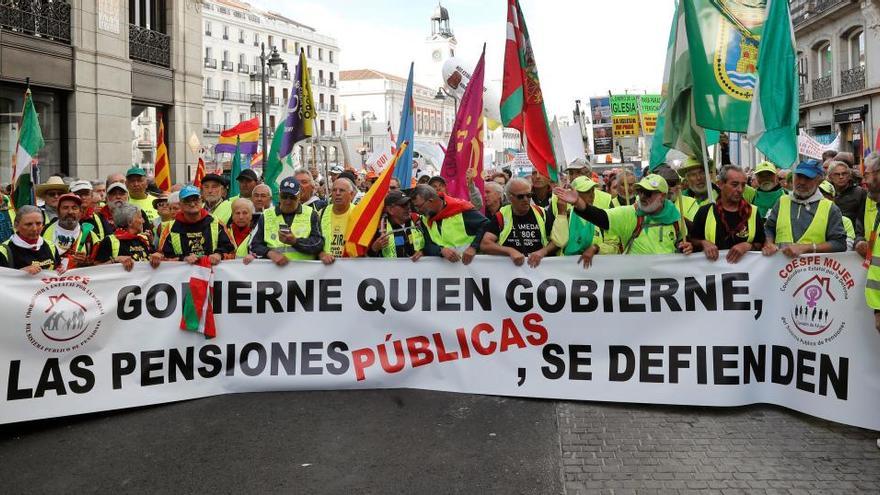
{"points": [[440, 47]]}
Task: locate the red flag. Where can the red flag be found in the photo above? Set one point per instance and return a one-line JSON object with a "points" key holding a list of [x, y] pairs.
{"points": [[200, 173], [163, 168], [522, 102], [465, 149], [198, 309]]}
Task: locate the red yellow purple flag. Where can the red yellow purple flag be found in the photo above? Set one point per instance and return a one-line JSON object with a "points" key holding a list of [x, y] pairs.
{"points": [[364, 220], [465, 149]]}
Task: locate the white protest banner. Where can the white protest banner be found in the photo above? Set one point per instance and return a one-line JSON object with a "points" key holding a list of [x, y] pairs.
{"points": [[809, 147], [646, 329]]}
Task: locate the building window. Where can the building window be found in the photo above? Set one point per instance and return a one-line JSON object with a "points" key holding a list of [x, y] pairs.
{"points": [[226, 55], [241, 35], [271, 42], [242, 59], [207, 28], [320, 54], [284, 93], [209, 84], [209, 117], [330, 56], [309, 51], [322, 128], [333, 127], [226, 119], [242, 117], [148, 14], [823, 60], [296, 47], [242, 88], [284, 45], [208, 52], [226, 86], [803, 68], [271, 123], [856, 49], [225, 32]]}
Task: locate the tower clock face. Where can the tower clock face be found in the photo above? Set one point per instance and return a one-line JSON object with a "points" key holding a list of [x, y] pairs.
{"points": [[436, 54]]}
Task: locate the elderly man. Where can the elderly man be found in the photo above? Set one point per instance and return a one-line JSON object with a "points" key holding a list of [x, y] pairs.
{"points": [[732, 223], [803, 221], [455, 229], [308, 195], [868, 247], [576, 236], [26, 250], [334, 220], [542, 191], [72, 239], [625, 187], [88, 211], [136, 182], [400, 233], [651, 226], [127, 244], [99, 193], [582, 168], [262, 198], [494, 198], [117, 195], [694, 174], [519, 230], [213, 194], [194, 233], [769, 190], [290, 231], [849, 197], [686, 205], [49, 192]]}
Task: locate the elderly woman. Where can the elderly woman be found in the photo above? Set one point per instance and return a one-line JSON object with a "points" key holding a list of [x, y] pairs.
{"points": [[240, 226], [128, 243], [26, 250]]}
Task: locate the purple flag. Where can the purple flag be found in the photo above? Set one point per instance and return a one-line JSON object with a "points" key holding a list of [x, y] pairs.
{"points": [[465, 149], [299, 123]]}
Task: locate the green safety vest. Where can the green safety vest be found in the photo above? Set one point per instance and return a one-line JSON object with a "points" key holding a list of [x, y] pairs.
{"points": [[453, 235], [243, 249], [302, 227], [7, 253], [507, 216], [872, 284], [415, 237], [814, 233], [848, 228], [601, 199], [177, 245], [327, 226], [84, 235], [690, 207], [222, 212], [576, 227], [711, 225], [615, 202], [749, 194]]}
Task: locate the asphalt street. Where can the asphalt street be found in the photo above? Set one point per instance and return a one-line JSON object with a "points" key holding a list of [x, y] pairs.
{"points": [[409, 441]]}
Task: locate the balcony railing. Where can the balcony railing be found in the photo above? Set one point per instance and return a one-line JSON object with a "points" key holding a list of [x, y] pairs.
{"points": [[41, 18], [852, 80], [270, 100], [241, 40], [322, 107], [244, 69], [149, 46], [212, 128], [332, 83], [210, 63], [822, 88], [815, 8], [213, 94], [334, 108], [231, 96], [227, 66], [802, 95], [285, 74], [322, 82]]}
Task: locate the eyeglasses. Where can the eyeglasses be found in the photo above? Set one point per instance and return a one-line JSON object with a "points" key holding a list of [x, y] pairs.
{"points": [[522, 196], [645, 192], [393, 188], [53, 194]]}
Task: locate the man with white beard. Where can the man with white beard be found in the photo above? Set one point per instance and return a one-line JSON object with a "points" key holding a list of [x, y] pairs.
{"points": [[804, 221], [117, 196], [769, 189], [72, 240], [651, 226]]}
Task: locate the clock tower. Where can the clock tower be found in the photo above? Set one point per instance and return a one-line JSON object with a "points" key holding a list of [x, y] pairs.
{"points": [[440, 47]]}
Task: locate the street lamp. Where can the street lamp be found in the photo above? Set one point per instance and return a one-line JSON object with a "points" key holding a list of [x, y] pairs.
{"points": [[580, 117], [442, 94], [274, 59]]}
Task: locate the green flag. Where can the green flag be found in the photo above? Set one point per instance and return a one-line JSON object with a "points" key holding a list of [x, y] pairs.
{"points": [[272, 164], [723, 38], [676, 127], [774, 111], [30, 142], [236, 169]]}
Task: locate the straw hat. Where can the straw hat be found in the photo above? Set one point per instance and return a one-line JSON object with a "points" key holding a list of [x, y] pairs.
{"points": [[54, 183]]}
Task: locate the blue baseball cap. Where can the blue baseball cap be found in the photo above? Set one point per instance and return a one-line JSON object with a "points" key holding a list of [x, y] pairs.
{"points": [[289, 186], [810, 169], [189, 191]]}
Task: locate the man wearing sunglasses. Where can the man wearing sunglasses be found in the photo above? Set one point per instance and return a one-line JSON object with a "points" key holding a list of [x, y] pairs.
{"points": [[520, 229], [454, 227], [651, 226], [400, 233], [290, 231]]}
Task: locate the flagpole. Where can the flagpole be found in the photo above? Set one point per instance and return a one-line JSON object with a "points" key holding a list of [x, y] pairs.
{"points": [[705, 152]]}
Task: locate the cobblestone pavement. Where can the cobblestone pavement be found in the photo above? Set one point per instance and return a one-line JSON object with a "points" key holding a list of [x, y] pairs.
{"points": [[620, 448]]}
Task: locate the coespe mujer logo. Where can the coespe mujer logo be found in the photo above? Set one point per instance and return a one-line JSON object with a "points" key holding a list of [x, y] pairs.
{"points": [[815, 285], [63, 315]]}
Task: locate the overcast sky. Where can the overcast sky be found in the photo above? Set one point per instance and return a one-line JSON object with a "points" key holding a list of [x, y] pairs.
{"points": [[583, 48]]}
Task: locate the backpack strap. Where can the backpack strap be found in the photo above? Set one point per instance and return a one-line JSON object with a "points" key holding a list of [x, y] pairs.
{"points": [[640, 224]]}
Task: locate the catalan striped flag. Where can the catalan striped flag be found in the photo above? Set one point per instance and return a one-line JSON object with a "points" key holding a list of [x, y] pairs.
{"points": [[246, 131], [364, 220], [163, 168]]}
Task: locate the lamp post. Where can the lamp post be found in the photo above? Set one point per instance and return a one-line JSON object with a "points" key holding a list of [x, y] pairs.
{"points": [[273, 59], [442, 94], [579, 117]]}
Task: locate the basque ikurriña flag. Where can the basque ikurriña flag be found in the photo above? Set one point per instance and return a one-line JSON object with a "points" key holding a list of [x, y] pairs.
{"points": [[198, 309]]}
